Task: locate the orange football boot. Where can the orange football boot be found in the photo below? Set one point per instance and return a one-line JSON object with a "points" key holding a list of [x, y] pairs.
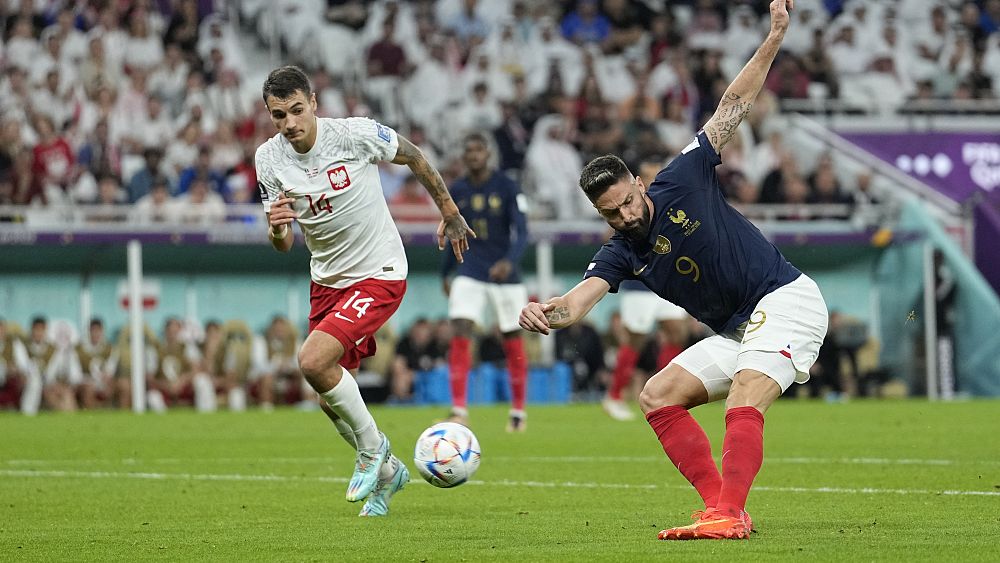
{"points": [[711, 525]]}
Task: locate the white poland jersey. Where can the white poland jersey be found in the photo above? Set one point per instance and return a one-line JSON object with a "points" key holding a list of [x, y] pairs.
{"points": [[338, 199]]}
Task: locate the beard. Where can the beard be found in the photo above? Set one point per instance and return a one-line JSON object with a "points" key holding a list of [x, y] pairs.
{"points": [[638, 231]]}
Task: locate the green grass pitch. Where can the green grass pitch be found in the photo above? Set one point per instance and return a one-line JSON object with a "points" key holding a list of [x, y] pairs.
{"points": [[862, 481]]}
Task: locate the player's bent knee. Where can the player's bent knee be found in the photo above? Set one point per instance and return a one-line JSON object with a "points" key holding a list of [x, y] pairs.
{"points": [[318, 359], [673, 385]]}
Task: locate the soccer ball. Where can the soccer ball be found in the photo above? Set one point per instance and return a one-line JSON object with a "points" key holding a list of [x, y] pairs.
{"points": [[447, 454]]}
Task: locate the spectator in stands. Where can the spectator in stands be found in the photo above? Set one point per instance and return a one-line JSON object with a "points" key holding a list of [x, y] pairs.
{"points": [[819, 67], [200, 205], [202, 168], [52, 165], [554, 164], [97, 71], [156, 206], [168, 80], [418, 350], [141, 183], [580, 346], [412, 203], [183, 152], [109, 197], [511, 138], [143, 48], [470, 27], [184, 27]]}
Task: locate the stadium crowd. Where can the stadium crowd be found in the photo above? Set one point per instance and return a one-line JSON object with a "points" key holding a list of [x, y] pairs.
{"points": [[156, 104]]}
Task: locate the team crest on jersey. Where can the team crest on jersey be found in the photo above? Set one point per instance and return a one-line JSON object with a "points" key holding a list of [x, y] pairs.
{"points": [[478, 202], [383, 132], [338, 177], [680, 218], [662, 245]]}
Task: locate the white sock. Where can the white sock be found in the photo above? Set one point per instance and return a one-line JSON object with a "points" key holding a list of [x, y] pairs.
{"points": [[388, 467], [345, 432], [204, 393], [346, 402]]}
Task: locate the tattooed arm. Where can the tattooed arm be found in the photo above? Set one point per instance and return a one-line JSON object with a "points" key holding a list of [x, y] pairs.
{"points": [[453, 225], [560, 312], [742, 93]]}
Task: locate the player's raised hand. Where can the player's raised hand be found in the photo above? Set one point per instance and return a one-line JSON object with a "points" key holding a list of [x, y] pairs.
{"points": [[533, 317], [281, 212], [779, 14], [455, 229]]}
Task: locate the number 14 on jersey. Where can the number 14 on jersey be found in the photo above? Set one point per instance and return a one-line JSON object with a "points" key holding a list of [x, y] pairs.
{"points": [[322, 204]]}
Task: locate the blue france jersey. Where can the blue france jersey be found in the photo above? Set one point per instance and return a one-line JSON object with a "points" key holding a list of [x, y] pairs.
{"points": [[495, 211], [701, 253]]}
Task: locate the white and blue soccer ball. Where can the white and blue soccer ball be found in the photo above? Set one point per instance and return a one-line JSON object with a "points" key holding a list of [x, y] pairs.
{"points": [[447, 454]]}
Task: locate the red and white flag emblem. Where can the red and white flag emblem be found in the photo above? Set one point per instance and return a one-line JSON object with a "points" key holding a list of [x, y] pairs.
{"points": [[338, 177]]}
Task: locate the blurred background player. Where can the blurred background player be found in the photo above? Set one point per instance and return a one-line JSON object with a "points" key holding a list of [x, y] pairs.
{"points": [[490, 274], [642, 313], [321, 173]]}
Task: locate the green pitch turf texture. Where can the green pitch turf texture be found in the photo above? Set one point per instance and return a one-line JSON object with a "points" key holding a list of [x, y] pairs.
{"points": [[841, 482]]}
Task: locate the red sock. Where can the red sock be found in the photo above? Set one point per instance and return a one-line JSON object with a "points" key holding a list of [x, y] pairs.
{"points": [[517, 366], [667, 352], [624, 366], [459, 363], [688, 448], [742, 455]]}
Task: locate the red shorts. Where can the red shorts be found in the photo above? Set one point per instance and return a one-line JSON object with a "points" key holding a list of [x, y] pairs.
{"points": [[353, 314]]}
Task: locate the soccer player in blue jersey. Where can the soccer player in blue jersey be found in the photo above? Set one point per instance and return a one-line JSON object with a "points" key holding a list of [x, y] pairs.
{"points": [[495, 207], [680, 238]]}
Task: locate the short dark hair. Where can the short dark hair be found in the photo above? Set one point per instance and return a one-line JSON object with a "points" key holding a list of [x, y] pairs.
{"points": [[602, 173], [476, 137], [283, 82], [96, 322]]}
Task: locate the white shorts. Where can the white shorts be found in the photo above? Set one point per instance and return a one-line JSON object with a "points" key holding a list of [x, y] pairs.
{"points": [[641, 309], [781, 340], [468, 298]]}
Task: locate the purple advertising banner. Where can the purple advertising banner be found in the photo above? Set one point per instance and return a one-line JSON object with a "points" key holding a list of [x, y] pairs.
{"points": [[956, 164]]}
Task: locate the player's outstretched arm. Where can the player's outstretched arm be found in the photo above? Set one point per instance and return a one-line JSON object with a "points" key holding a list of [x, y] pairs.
{"points": [[453, 225], [742, 93], [560, 312]]}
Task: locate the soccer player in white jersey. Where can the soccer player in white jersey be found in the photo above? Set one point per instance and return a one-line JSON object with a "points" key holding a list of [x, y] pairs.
{"points": [[322, 174]]}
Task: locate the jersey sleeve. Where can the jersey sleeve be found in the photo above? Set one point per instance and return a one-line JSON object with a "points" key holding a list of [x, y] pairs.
{"points": [[372, 141], [267, 183], [695, 165], [610, 264]]}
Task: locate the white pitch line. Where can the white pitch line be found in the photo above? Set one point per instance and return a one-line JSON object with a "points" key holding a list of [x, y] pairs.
{"points": [[501, 483], [505, 459]]}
